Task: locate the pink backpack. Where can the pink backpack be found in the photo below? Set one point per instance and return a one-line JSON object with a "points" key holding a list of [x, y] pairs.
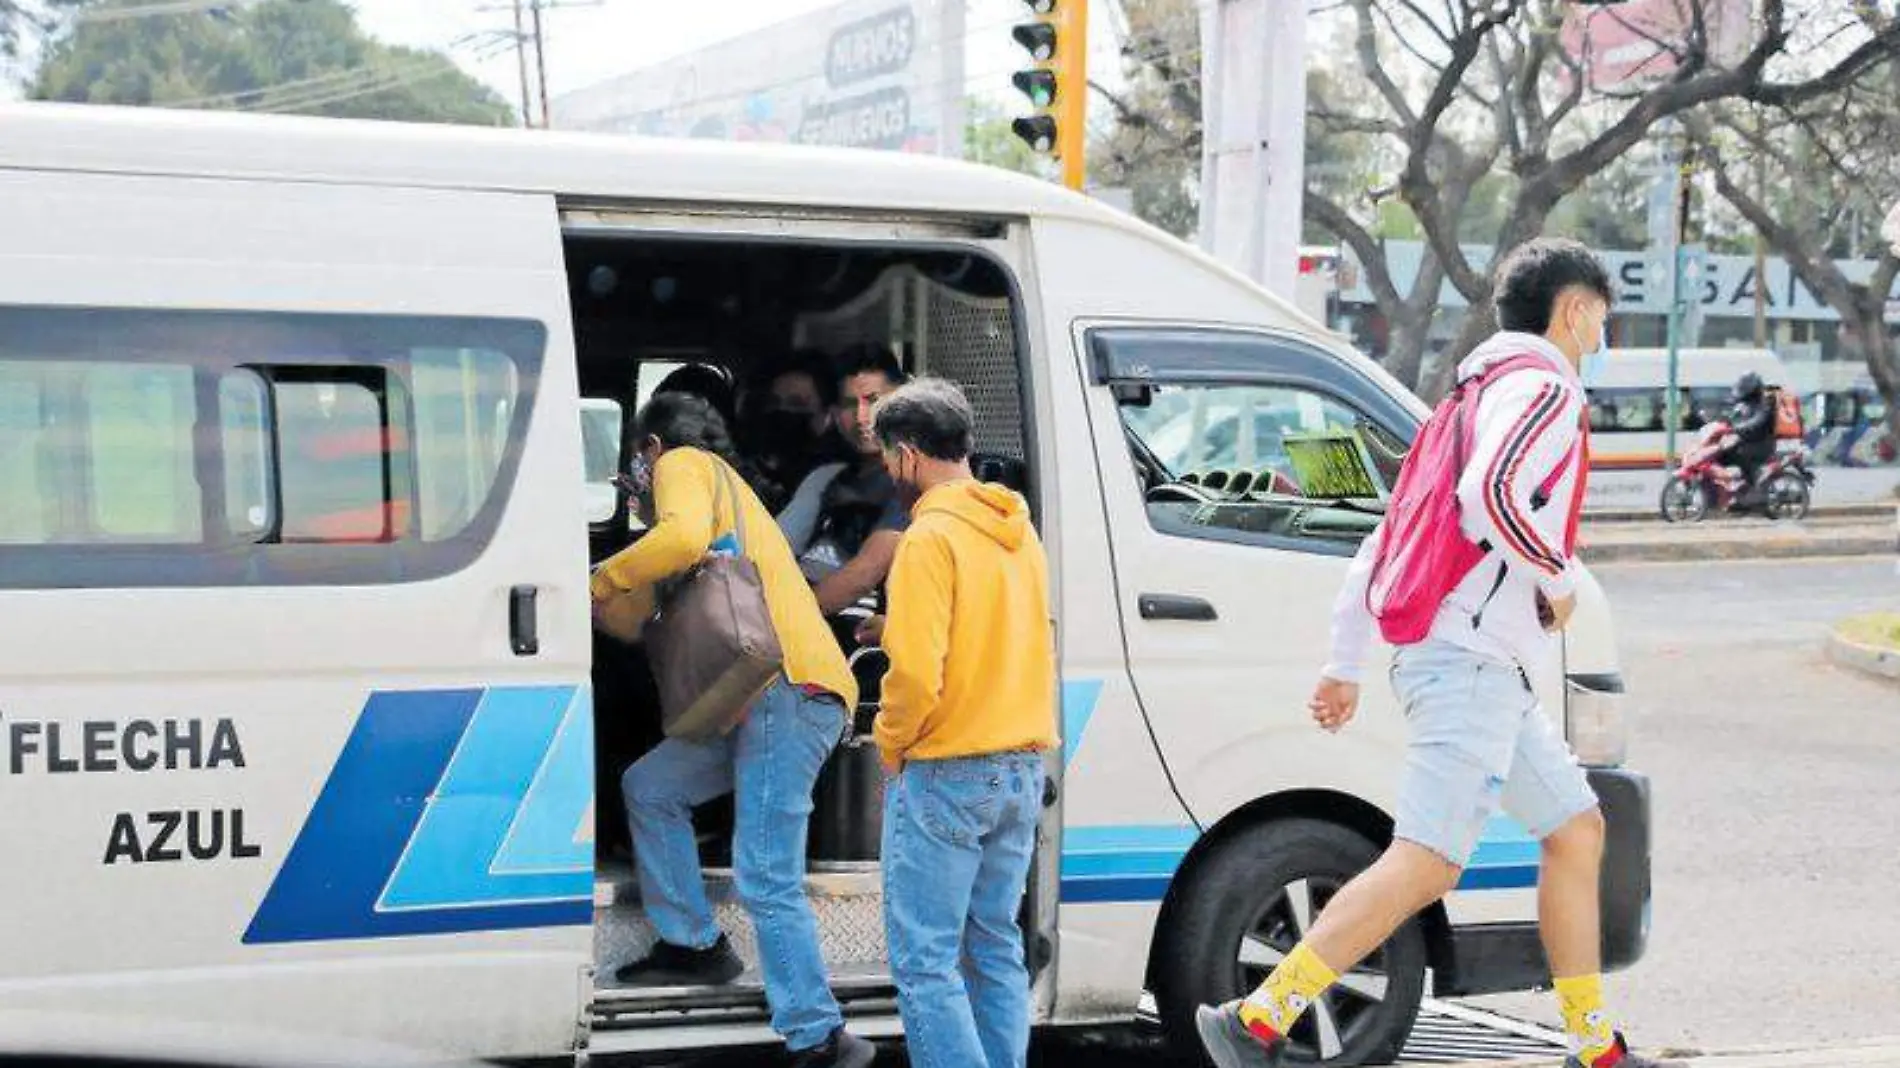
{"points": [[1424, 554]]}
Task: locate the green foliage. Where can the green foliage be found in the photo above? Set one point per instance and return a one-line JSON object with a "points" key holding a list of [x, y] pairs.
{"points": [[306, 57], [988, 139]]}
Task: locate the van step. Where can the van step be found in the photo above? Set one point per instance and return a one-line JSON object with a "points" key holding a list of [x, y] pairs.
{"points": [[849, 906], [699, 1036], [737, 1004]]}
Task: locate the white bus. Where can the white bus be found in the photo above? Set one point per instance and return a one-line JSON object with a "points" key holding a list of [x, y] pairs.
{"points": [[305, 723], [1629, 399]]}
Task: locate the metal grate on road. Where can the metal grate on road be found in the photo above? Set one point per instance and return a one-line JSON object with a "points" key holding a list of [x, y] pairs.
{"points": [[1451, 1034]]}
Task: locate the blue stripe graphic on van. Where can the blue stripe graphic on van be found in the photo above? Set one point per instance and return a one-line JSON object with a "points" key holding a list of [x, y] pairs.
{"points": [[1135, 863], [447, 811]]}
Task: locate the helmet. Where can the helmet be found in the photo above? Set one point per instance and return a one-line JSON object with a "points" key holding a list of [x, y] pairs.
{"points": [[1749, 385]]}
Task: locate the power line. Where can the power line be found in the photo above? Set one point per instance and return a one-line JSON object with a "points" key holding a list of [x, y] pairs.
{"points": [[238, 96], [383, 83], [164, 7]]}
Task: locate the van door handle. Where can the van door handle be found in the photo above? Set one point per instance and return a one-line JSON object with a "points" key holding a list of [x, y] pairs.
{"points": [[524, 630], [1172, 606]]}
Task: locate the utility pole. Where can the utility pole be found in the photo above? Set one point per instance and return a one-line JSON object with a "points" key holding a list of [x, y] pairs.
{"points": [[541, 62], [521, 60], [1761, 246], [1253, 157], [1672, 398]]}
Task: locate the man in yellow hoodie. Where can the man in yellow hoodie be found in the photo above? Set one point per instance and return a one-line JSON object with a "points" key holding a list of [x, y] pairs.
{"points": [[968, 712]]}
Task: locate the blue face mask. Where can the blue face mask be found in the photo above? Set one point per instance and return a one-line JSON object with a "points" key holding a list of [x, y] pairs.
{"points": [[1590, 367]]}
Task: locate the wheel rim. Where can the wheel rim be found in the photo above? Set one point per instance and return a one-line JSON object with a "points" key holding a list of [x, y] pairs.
{"points": [[1343, 1013], [1681, 499], [1787, 497]]}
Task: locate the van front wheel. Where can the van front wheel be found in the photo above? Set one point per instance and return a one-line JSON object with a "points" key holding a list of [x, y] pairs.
{"points": [[1246, 908]]}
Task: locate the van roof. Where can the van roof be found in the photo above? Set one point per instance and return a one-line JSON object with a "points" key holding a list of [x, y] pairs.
{"points": [[90, 138]]}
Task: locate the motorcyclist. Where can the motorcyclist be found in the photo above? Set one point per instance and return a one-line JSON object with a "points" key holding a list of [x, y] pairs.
{"points": [[1752, 420]]}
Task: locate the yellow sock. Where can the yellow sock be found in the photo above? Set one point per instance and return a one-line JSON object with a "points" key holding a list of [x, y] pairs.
{"points": [[1276, 1006], [1586, 1022]]}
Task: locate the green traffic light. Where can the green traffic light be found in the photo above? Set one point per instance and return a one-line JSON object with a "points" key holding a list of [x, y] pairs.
{"points": [[1038, 85]]}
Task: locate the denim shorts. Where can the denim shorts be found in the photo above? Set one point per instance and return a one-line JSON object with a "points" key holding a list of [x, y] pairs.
{"points": [[1480, 742]]}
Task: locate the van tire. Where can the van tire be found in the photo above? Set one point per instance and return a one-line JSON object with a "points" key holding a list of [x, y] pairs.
{"points": [[1241, 888]]}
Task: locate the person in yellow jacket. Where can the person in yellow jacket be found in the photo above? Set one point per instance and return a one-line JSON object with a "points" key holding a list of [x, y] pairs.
{"points": [[770, 761], [968, 712]]}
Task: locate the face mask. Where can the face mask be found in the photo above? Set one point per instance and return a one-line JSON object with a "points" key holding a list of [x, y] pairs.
{"points": [[784, 432], [640, 474], [1590, 367]]}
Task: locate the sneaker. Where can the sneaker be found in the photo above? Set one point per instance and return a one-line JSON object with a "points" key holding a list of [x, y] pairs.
{"points": [[1228, 1041], [842, 1050], [671, 965], [1618, 1057]]}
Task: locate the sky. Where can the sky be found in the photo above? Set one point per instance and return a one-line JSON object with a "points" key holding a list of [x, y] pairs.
{"points": [[592, 41]]}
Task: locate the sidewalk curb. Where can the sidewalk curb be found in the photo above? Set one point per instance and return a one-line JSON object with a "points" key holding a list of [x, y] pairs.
{"points": [[1867, 659], [1772, 547], [1833, 513], [1876, 1053]]}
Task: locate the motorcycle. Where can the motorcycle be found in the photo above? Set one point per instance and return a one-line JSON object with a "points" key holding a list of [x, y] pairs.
{"points": [[1702, 484]]}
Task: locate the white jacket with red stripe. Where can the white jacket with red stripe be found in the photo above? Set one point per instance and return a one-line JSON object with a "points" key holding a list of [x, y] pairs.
{"points": [[1529, 426]]}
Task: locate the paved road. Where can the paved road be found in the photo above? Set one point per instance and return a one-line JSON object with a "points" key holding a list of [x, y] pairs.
{"points": [[1778, 806]]}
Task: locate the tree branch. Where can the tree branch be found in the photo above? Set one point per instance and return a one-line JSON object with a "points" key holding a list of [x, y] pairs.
{"points": [[1416, 183], [1815, 268], [1883, 46], [1373, 67], [1335, 220]]}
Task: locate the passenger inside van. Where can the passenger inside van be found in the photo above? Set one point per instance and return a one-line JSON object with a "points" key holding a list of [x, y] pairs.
{"points": [[785, 429], [710, 384], [845, 521]]}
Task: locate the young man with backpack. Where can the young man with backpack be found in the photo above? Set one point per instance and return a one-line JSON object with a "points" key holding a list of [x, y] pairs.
{"points": [[1471, 575]]}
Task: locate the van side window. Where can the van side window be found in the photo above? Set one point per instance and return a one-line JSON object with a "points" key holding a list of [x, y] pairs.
{"points": [[204, 448], [1235, 441]]}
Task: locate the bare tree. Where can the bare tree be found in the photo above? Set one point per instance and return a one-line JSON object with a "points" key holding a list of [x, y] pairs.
{"points": [[1476, 84], [1152, 146], [1831, 162]]}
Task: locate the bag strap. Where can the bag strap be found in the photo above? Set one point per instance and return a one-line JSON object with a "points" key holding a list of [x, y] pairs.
{"points": [[731, 495]]}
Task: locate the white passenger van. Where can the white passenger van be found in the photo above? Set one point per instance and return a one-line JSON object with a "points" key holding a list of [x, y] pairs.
{"points": [[306, 728]]}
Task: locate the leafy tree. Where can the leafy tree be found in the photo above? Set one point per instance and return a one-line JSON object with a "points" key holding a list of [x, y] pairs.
{"points": [[305, 57], [988, 139]]}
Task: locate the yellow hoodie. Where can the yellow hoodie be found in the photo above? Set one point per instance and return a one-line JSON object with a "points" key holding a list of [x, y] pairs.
{"points": [[971, 643]]}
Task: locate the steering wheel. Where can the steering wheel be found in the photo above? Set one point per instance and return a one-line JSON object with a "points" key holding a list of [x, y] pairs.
{"points": [[1179, 493]]}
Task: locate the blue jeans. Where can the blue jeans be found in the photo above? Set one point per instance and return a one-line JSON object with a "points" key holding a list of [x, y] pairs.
{"points": [[771, 761], [958, 838]]}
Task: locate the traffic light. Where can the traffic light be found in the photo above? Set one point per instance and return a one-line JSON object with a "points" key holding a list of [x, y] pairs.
{"points": [[1057, 43]]}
